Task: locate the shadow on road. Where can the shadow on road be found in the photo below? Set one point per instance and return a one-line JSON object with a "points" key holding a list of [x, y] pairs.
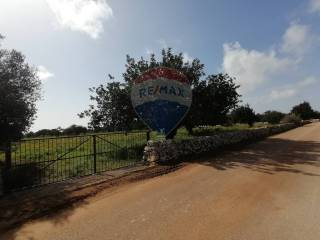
{"points": [[57, 202], [269, 156], [53, 201]]}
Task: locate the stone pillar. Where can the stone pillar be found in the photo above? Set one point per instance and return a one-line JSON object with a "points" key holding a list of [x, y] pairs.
{"points": [[150, 154]]}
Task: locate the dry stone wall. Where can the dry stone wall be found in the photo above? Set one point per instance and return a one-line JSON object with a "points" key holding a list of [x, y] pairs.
{"points": [[169, 150]]}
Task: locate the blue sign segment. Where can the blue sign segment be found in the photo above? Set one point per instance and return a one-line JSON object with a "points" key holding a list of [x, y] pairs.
{"points": [[161, 97], [161, 115]]}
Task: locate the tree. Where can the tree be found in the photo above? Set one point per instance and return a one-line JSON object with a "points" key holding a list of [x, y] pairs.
{"points": [[291, 118], [74, 130], [45, 132], [213, 96], [19, 91], [273, 117], [112, 110], [304, 110], [260, 117], [243, 114], [192, 70]]}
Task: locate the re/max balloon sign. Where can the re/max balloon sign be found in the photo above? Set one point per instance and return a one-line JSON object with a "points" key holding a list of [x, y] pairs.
{"points": [[161, 97]]}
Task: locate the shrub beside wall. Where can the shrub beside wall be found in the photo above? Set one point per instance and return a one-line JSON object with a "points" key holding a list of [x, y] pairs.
{"points": [[170, 150]]}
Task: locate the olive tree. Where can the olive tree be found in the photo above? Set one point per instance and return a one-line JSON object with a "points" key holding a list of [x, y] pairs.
{"points": [[304, 110], [243, 114], [19, 91], [213, 95]]}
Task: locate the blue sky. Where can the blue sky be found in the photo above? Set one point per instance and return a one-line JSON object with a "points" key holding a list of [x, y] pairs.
{"points": [[271, 47]]}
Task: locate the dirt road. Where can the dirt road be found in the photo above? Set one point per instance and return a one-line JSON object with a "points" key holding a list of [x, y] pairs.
{"points": [[268, 190]]}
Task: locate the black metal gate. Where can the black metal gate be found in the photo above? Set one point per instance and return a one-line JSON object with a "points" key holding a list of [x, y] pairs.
{"points": [[41, 161]]}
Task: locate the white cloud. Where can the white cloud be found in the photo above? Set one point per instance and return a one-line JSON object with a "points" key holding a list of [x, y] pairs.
{"points": [[282, 94], [43, 73], [307, 81], [187, 58], [251, 68], [297, 39], [81, 15], [292, 90], [149, 51], [314, 6], [163, 43]]}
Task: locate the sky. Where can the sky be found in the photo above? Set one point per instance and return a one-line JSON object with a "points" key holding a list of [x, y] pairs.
{"points": [[270, 47]]}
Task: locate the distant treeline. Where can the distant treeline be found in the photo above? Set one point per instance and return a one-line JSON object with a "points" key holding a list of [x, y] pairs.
{"points": [[72, 130], [242, 114]]}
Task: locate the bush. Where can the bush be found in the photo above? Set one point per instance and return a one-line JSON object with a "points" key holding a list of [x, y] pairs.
{"points": [[291, 118], [21, 176], [120, 154], [44, 133], [74, 130], [212, 130], [206, 130], [243, 114], [304, 110], [273, 117], [261, 124]]}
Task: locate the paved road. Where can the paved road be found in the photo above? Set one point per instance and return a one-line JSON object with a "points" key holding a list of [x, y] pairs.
{"points": [[270, 190]]}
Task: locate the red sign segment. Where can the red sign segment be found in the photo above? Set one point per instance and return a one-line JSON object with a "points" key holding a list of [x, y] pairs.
{"points": [[162, 72]]}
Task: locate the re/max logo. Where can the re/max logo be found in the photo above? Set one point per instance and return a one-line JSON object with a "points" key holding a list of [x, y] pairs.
{"points": [[153, 90]]}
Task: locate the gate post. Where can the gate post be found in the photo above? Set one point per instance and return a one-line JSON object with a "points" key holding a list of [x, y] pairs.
{"points": [[5, 172], [148, 135], [94, 154], [8, 155]]}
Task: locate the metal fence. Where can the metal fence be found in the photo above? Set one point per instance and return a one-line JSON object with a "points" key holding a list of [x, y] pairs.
{"points": [[38, 161]]}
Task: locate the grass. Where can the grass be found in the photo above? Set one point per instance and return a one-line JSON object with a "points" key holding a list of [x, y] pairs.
{"points": [[52, 159], [182, 133], [212, 130]]}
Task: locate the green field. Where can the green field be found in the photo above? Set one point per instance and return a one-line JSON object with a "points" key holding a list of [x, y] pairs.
{"points": [[108, 145], [51, 159]]}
